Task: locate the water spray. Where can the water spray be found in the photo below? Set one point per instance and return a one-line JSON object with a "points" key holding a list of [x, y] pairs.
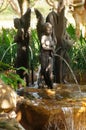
{"points": [[31, 64], [69, 69]]}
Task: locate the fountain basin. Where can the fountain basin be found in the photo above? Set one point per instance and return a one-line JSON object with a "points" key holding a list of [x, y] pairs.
{"points": [[63, 108]]}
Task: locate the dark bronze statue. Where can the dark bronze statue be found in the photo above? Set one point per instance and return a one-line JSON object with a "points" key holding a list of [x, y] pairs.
{"points": [[44, 30], [22, 39]]}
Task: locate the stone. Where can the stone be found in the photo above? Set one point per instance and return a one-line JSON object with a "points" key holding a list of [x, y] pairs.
{"points": [[8, 97]]}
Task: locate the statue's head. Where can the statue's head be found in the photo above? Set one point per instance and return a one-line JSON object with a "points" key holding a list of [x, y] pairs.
{"points": [[47, 28], [17, 23]]}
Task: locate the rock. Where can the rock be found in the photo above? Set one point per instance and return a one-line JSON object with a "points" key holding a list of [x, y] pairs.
{"points": [[8, 97]]}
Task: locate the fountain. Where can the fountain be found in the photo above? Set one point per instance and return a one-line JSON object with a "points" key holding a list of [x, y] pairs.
{"points": [[63, 108]]}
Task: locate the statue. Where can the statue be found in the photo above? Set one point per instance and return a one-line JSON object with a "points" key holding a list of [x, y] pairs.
{"points": [[44, 30], [22, 39]]}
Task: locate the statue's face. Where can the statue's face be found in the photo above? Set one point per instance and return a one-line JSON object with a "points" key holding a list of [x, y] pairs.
{"points": [[17, 23], [48, 28]]}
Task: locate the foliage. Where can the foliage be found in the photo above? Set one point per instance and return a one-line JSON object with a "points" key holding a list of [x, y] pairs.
{"points": [[4, 66], [78, 51], [6, 42], [12, 79], [9, 77], [8, 54], [35, 46], [71, 31], [8, 48], [77, 54]]}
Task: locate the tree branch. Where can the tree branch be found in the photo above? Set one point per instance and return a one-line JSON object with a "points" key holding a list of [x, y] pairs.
{"points": [[6, 5]]}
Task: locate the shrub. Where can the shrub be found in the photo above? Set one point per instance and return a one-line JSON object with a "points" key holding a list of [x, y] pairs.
{"points": [[78, 51], [7, 50]]}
